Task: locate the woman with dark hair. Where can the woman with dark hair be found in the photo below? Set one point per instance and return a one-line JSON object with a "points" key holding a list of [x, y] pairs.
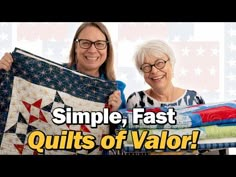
{"points": [[92, 54]]}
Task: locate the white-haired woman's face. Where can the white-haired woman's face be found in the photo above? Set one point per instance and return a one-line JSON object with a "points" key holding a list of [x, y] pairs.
{"points": [[158, 71]]}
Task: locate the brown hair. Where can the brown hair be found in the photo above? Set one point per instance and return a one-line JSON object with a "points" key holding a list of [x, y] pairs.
{"points": [[107, 67]]}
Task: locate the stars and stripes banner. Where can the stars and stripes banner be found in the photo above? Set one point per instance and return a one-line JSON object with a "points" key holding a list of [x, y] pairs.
{"points": [[204, 54], [30, 92]]}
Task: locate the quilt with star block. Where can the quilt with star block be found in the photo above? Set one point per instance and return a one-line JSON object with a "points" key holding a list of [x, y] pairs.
{"points": [[32, 89]]}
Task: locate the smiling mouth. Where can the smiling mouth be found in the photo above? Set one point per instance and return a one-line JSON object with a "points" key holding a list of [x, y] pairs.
{"points": [[157, 78], [91, 58]]}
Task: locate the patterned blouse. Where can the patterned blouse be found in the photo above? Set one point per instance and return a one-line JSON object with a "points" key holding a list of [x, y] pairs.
{"points": [[141, 99]]}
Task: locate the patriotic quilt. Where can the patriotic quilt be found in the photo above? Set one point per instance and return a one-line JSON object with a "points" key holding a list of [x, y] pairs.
{"points": [[210, 138], [190, 116], [209, 144], [32, 89], [215, 123], [206, 132]]}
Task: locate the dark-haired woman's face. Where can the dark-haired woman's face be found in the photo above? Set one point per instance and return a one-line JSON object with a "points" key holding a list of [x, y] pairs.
{"points": [[89, 60]]}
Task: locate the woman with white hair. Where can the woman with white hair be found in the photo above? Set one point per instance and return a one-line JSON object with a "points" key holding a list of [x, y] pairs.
{"points": [[155, 61]]}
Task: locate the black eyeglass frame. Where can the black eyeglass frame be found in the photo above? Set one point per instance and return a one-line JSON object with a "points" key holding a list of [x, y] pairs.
{"points": [[155, 65], [91, 43]]}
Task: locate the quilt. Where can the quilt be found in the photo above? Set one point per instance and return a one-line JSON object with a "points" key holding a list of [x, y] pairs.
{"points": [[209, 144], [212, 145], [190, 116], [32, 89], [206, 132]]}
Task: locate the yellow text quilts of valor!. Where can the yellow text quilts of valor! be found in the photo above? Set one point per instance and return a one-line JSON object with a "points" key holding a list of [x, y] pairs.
{"points": [[76, 140]]}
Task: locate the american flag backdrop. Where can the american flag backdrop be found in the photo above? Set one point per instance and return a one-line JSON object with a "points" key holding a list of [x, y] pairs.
{"points": [[6, 37], [205, 52], [229, 67]]}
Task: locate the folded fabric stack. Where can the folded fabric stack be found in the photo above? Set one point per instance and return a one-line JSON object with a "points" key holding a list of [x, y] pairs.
{"points": [[216, 123]]}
